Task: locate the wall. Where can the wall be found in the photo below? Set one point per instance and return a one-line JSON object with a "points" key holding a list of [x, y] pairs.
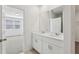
{"points": [[44, 21], [69, 29], [31, 24]]}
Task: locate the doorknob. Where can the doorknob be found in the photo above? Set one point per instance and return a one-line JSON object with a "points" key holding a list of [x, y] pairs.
{"points": [[2, 40]]}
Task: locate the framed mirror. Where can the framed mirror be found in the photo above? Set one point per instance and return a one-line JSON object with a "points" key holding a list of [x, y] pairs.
{"points": [[56, 20]]}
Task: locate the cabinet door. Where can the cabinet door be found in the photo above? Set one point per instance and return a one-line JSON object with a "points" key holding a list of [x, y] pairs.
{"points": [[37, 43], [49, 48]]}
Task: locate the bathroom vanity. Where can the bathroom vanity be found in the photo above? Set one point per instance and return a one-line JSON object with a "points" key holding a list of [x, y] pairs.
{"points": [[49, 39], [46, 43]]}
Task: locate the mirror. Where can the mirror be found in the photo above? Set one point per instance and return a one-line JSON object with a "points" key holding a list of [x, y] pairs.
{"points": [[56, 20]]}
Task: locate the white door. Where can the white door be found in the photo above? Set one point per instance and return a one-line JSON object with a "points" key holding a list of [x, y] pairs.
{"points": [[12, 30]]}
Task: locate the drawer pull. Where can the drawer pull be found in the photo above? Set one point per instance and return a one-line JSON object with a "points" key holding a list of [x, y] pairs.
{"points": [[50, 47]]}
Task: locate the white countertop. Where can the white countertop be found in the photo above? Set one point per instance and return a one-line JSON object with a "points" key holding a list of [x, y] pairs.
{"points": [[50, 35]]}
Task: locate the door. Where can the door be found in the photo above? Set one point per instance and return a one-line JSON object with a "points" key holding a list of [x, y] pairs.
{"points": [[12, 30]]}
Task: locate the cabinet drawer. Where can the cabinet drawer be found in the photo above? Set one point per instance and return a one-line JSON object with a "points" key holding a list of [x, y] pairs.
{"points": [[49, 48]]}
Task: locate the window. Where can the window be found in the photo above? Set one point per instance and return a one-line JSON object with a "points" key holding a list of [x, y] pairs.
{"points": [[17, 24], [12, 23], [9, 24]]}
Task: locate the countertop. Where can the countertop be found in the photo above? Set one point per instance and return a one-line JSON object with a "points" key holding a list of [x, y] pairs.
{"points": [[50, 35]]}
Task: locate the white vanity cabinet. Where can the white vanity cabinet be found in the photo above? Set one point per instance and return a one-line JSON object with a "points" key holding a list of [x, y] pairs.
{"points": [[37, 43], [47, 45]]}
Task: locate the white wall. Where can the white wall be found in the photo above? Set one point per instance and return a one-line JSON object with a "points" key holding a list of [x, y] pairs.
{"points": [[69, 29], [31, 24], [44, 21]]}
